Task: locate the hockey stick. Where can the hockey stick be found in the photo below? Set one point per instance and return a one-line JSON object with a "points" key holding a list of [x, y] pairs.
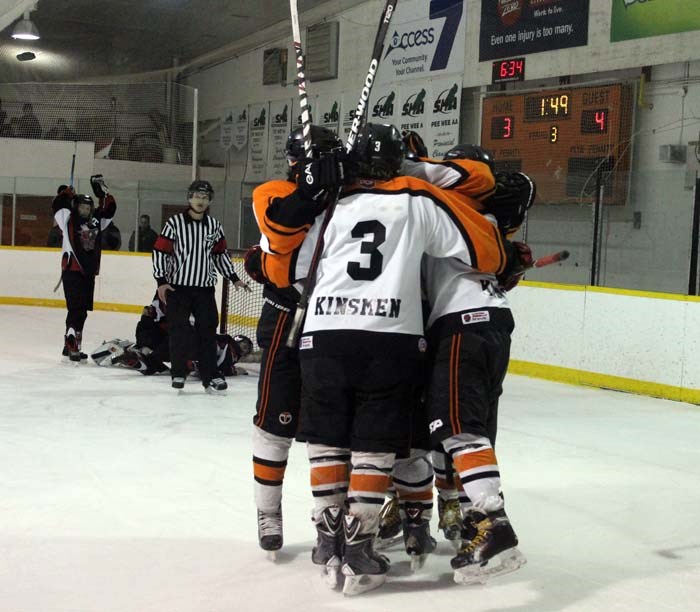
{"points": [[301, 79], [357, 120], [70, 182], [548, 260]]}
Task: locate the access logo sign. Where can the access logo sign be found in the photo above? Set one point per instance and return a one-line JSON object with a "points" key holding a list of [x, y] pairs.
{"points": [[426, 39], [642, 18]]}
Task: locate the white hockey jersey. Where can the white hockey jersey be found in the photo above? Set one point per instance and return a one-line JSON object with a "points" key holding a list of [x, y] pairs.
{"points": [[369, 273]]}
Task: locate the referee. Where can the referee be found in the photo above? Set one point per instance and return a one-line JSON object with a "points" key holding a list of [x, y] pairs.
{"points": [[186, 255]]}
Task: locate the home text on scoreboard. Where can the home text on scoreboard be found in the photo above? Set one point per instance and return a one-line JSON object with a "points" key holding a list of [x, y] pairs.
{"points": [[564, 139]]}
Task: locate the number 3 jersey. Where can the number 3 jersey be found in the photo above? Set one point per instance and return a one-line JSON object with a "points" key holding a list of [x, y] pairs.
{"points": [[369, 273]]}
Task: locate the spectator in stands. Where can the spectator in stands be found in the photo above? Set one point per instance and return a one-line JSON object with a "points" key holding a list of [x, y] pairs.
{"points": [[60, 131], [147, 237], [28, 124], [55, 237], [111, 238]]}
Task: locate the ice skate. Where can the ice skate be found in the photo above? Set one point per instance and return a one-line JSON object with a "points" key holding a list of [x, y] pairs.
{"points": [[450, 521], [363, 569], [416, 537], [491, 552], [216, 385], [270, 532], [328, 551], [70, 347], [389, 525]]}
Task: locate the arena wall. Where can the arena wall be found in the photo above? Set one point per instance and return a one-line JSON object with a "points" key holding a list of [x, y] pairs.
{"points": [[632, 341]]}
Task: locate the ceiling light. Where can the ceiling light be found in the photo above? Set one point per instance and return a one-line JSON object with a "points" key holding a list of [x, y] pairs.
{"points": [[25, 29]]}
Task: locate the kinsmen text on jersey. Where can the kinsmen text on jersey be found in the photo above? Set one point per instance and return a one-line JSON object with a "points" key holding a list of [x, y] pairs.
{"points": [[369, 274]]}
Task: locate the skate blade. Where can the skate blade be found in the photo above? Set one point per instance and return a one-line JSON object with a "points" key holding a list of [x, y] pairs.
{"points": [[418, 561], [361, 583], [331, 573], [506, 562], [456, 544], [271, 555], [384, 543]]}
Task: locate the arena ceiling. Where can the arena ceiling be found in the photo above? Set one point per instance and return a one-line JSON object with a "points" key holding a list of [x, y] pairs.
{"points": [[85, 39]]}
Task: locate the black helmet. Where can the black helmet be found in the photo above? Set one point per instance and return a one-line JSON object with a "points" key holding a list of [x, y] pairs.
{"points": [[82, 198], [379, 151], [323, 140], [201, 187], [243, 344], [470, 151]]}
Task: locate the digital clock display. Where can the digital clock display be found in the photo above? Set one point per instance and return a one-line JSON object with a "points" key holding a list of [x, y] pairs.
{"points": [[508, 70], [502, 128], [564, 139], [546, 108]]}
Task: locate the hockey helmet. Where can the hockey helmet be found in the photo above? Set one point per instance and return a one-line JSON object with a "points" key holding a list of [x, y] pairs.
{"points": [[515, 194], [200, 186], [323, 141], [379, 151], [83, 205], [243, 344], [470, 151]]}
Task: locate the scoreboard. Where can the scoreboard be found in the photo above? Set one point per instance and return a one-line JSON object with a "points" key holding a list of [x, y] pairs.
{"points": [[562, 137]]}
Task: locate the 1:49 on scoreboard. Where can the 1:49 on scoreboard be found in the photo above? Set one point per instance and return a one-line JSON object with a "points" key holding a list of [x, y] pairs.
{"points": [[566, 139]]}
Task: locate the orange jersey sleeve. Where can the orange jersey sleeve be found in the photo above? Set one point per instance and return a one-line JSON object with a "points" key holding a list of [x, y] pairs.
{"points": [[464, 177]]}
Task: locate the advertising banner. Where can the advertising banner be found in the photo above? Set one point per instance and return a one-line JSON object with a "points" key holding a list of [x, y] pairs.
{"points": [[642, 18], [280, 120], [328, 111], [511, 28], [443, 116], [426, 39], [415, 98], [255, 171], [383, 103], [239, 136]]}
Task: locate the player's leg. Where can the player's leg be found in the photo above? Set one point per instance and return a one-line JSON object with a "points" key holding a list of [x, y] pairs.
{"points": [[78, 290], [179, 309], [205, 321]]}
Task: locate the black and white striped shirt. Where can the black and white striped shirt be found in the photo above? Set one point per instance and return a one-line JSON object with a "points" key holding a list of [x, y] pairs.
{"points": [[189, 252]]}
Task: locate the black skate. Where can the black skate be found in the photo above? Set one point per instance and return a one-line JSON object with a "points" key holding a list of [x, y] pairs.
{"points": [[363, 568], [178, 382], [329, 544], [450, 521], [492, 551], [416, 537], [64, 353], [71, 349], [389, 525], [216, 385], [270, 532]]}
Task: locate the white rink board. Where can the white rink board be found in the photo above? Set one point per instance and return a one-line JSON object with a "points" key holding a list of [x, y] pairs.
{"points": [[631, 336]]}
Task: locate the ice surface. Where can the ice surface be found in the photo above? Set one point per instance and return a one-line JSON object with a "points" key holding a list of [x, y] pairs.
{"points": [[118, 495]]}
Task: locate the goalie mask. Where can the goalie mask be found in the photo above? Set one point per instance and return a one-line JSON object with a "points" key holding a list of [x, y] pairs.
{"points": [[199, 195], [83, 206], [379, 151]]}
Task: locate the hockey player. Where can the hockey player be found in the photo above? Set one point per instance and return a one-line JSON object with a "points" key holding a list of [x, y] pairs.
{"points": [[284, 214], [82, 226], [362, 347], [469, 331], [186, 256]]}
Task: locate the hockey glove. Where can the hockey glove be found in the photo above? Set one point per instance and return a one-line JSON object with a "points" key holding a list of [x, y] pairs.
{"points": [[252, 262], [99, 188], [518, 261], [415, 147], [318, 178], [515, 193]]}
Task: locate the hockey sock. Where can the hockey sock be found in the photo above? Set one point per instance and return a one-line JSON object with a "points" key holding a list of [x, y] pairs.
{"points": [[329, 476], [270, 454], [476, 464], [369, 480], [413, 479], [447, 487]]}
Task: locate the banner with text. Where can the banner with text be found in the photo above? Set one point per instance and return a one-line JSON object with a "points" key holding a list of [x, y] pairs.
{"points": [[226, 132], [640, 18], [280, 120], [240, 127], [383, 103], [414, 97], [296, 111], [443, 115], [425, 39], [256, 171], [328, 111], [518, 27]]}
